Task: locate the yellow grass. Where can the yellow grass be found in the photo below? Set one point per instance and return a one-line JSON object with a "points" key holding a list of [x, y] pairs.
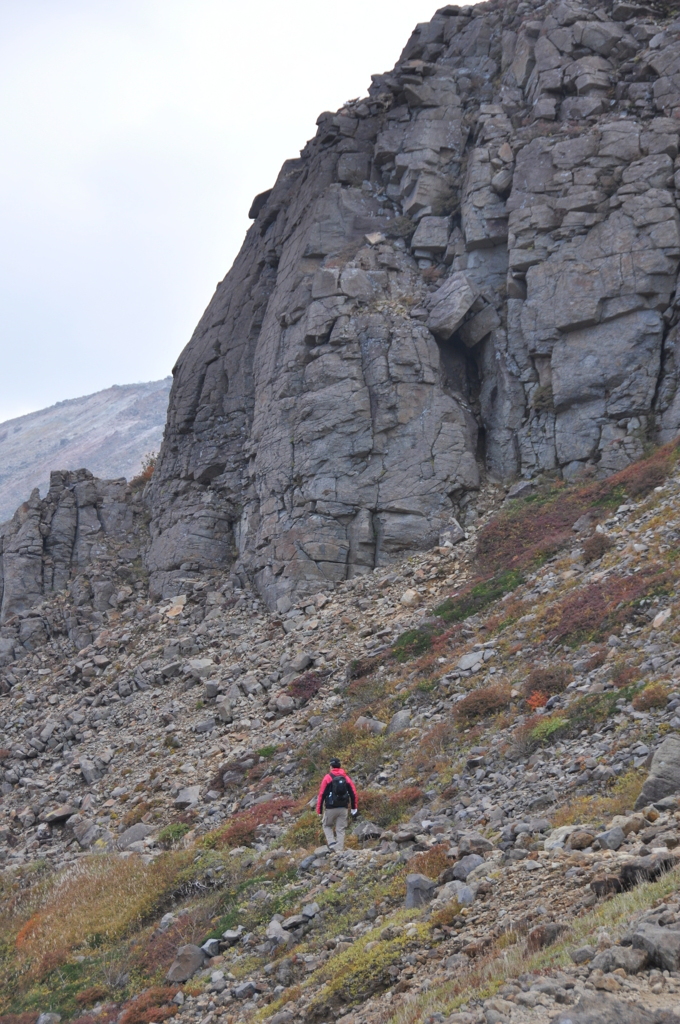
{"points": [[98, 900], [620, 799]]}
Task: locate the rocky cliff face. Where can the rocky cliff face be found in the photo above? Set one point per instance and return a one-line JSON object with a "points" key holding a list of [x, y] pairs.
{"points": [[110, 432], [85, 535], [471, 271]]}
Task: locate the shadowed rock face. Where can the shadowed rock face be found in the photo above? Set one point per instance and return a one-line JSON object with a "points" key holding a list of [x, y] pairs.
{"points": [[472, 270]]}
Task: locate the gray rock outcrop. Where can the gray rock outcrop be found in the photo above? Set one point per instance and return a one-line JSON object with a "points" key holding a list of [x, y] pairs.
{"points": [[471, 270], [664, 774], [189, 959], [69, 539]]}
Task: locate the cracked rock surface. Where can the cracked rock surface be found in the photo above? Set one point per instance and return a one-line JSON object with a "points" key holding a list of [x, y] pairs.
{"points": [[470, 271]]}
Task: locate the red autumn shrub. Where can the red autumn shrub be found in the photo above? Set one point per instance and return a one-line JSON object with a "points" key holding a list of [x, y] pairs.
{"points": [[90, 996], [305, 687], [548, 680], [595, 610], [623, 675], [241, 828], [106, 1014], [597, 658], [540, 525], [537, 700], [155, 1004]]}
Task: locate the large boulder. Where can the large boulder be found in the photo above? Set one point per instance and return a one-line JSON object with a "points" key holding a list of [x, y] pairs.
{"points": [[465, 865], [600, 1008], [400, 721], [135, 834], [450, 303], [419, 891], [626, 958], [188, 960], [664, 774], [662, 945]]}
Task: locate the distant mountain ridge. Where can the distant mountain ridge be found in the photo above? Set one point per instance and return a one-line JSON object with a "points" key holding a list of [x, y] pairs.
{"points": [[109, 432]]}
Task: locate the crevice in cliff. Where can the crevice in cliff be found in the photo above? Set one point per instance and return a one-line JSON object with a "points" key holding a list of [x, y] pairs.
{"points": [[666, 369], [462, 373]]}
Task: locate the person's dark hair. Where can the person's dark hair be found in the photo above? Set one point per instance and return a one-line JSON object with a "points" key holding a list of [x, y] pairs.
{"points": [[335, 763]]}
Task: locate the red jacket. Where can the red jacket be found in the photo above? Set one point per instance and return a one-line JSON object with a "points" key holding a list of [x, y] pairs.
{"points": [[326, 784]]}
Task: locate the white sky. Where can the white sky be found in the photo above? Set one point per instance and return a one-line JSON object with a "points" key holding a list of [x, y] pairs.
{"points": [[134, 135]]}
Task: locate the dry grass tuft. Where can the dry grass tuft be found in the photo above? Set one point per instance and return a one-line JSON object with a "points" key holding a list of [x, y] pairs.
{"points": [[101, 898], [386, 809], [621, 798]]}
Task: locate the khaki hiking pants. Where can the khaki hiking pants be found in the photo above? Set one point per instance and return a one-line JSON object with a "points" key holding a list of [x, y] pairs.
{"points": [[335, 818]]}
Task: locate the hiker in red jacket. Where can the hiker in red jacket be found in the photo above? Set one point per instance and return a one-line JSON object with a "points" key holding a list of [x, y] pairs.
{"points": [[337, 793]]}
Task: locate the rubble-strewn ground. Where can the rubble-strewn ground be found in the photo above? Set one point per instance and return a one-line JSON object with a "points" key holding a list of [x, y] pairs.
{"points": [[156, 784]]}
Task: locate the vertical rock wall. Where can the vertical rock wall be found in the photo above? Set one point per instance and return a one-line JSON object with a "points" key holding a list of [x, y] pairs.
{"points": [[86, 535], [473, 270]]}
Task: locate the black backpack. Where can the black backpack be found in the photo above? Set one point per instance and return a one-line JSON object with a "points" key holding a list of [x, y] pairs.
{"points": [[339, 793]]}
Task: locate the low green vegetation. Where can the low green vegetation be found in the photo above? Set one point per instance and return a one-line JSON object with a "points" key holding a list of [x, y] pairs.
{"points": [[478, 597], [173, 833], [412, 643]]}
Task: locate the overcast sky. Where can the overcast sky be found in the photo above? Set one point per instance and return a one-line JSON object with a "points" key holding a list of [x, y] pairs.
{"points": [[134, 135]]}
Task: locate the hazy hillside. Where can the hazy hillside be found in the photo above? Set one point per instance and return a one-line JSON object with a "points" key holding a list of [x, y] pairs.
{"points": [[108, 432]]}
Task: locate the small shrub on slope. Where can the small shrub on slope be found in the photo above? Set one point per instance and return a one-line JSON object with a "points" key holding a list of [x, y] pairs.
{"points": [[412, 643], [548, 681], [305, 832], [479, 596], [481, 703], [173, 833], [430, 863], [153, 1005], [305, 687], [655, 695], [92, 995], [241, 829], [596, 546], [386, 809]]}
